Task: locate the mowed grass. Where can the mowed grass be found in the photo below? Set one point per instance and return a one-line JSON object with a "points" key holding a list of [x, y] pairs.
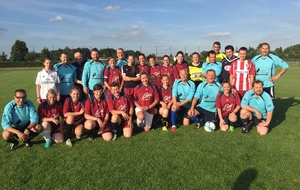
{"points": [[186, 159]]}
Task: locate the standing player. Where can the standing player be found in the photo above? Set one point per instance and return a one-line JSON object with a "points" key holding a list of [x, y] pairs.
{"points": [[212, 64], [204, 101], [180, 64], [93, 72], [168, 70], [146, 97], [97, 115], [79, 64], [182, 95], [265, 65], [112, 74], [131, 77], [242, 73], [227, 104], [46, 79], [67, 76], [20, 120], [73, 111], [219, 55], [50, 113], [121, 110], [195, 69], [120, 58], [142, 65], [258, 106], [165, 97], [154, 70], [226, 63]]}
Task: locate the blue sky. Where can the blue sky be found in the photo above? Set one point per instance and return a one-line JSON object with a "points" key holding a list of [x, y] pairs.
{"points": [[190, 25]]}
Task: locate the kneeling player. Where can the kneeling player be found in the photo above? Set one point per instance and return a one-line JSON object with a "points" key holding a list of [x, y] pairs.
{"points": [[49, 114], [96, 115], [227, 104], [73, 111], [121, 109], [257, 105]]}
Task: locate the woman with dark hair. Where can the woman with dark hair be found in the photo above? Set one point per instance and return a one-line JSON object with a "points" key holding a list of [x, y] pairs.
{"points": [[180, 64]]}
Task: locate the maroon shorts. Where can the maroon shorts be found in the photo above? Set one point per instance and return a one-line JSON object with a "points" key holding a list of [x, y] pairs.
{"points": [[54, 128], [129, 93], [107, 128]]}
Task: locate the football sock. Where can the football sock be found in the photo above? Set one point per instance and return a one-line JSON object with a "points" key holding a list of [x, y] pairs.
{"points": [[47, 135], [195, 119], [89, 132], [165, 121], [173, 117], [245, 122], [32, 135], [68, 130], [114, 127]]}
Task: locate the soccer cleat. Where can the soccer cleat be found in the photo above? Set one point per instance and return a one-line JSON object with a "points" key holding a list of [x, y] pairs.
{"points": [[48, 144], [69, 143], [14, 145], [173, 128], [28, 143], [231, 128], [91, 138], [114, 137], [245, 129], [164, 128], [78, 137], [198, 125]]}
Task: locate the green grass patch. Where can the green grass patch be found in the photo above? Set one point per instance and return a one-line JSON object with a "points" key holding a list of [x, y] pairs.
{"points": [[186, 159]]}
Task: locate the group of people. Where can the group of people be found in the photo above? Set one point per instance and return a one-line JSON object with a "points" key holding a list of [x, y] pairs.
{"points": [[97, 99]]}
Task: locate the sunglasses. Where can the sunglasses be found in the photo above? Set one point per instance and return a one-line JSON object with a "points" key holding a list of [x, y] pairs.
{"points": [[20, 97]]}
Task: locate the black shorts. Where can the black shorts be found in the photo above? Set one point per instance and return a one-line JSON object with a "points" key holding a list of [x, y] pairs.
{"points": [[257, 121], [183, 112], [270, 91], [207, 115], [226, 119]]}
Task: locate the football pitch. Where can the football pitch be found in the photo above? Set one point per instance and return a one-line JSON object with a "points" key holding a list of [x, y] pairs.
{"points": [[189, 158]]}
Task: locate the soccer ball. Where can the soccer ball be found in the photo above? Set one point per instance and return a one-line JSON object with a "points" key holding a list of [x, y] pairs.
{"points": [[209, 126]]}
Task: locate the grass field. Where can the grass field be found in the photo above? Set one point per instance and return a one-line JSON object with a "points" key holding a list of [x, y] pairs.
{"points": [[186, 159]]}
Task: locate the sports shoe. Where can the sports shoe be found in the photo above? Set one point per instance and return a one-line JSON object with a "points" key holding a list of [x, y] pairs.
{"points": [[198, 125], [231, 128], [164, 128], [245, 129], [114, 137], [28, 143], [173, 128], [78, 137], [69, 143], [91, 138], [14, 145], [48, 143]]}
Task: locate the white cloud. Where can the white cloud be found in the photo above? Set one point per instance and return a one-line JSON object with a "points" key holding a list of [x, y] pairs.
{"points": [[57, 18], [112, 8], [218, 35], [79, 20]]}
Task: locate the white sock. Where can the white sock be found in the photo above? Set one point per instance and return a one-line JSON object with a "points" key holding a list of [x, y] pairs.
{"points": [[47, 135], [148, 118]]}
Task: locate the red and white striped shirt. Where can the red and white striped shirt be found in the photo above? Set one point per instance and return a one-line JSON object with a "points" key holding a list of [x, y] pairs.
{"points": [[241, 72]]}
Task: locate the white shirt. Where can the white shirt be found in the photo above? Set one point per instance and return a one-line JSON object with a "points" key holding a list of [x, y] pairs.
{"points": [[47, 80]]}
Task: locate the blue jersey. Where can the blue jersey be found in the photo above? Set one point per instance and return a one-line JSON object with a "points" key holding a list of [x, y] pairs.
{"points": [[262, 103], [120, 63], [183, 91], [93, 73], [266, 67], [207, 94], [19, 116], [217, 67], [67, 77]]}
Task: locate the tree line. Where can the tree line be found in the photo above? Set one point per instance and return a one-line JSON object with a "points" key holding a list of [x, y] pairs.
{"points": [[21, 55]]}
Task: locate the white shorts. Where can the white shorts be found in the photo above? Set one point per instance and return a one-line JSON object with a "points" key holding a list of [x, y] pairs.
{"points": [[148, 118]]}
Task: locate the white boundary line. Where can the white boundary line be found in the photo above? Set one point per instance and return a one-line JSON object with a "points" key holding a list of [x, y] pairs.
{"points": [[287, 97]]}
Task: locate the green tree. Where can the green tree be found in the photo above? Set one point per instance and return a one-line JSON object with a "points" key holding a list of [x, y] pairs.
{"points": [[32, 56], [3, 56], [44, 53], [18, 51]]}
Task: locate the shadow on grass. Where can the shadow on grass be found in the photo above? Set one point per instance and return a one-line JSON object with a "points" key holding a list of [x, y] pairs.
{"points": [[281, 107], [245, 179]]}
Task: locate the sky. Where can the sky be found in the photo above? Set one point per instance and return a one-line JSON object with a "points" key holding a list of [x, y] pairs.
{"points": [[160, 27]]}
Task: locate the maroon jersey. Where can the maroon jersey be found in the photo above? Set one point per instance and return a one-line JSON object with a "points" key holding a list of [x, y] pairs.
{"points": [[179, 67], [70, 106], [165, 94], [112, 75], [144, 68], [169, 70], [120, 104], [96, 108], [156, 71], [145, 95], [227, 103]]}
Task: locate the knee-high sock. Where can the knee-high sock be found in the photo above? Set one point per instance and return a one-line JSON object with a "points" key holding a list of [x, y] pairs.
{"points": [[114, 127], [195, 119], [47, 134], [245, 122], [68, 130], [148, 119], [173, 117], [165, 121]]}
